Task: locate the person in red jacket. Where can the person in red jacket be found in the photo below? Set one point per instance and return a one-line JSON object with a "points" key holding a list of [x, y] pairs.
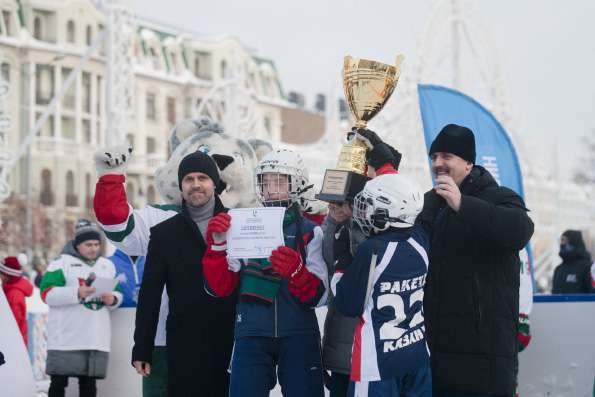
{"points": [[16, 288]]}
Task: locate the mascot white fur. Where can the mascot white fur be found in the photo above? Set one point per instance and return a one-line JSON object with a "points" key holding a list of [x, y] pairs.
{"points": [[235, 158]]}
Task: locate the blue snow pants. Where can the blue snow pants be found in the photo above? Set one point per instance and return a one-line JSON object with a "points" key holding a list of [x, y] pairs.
{"points": [[416, 384], [257, 361]]}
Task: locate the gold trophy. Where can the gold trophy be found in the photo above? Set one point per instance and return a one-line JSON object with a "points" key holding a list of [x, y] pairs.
{"points": [[368, 85]]}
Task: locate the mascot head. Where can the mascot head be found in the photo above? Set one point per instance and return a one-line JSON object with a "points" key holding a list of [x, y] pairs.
{"points": [[236, 159]]}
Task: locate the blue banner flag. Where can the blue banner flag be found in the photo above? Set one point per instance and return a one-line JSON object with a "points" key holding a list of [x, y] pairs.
{"points": [[440, 106]]}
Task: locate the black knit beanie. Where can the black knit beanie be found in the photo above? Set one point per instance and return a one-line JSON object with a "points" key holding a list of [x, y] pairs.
{"points": [[457, 140], [198, 162]]}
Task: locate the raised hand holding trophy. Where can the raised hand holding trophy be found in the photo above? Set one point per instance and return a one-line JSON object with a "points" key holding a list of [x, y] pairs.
{"points": [[368, 85]]}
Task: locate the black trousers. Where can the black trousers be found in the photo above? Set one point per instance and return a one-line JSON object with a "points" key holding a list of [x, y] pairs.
{"points": [[58, 383]]}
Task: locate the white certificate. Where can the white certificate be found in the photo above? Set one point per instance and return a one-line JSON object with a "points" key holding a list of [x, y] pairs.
{"points": [[255, 232], [102, 285]]}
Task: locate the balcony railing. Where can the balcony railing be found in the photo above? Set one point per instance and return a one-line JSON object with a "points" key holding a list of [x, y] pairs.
{"points": [[58, 145]]}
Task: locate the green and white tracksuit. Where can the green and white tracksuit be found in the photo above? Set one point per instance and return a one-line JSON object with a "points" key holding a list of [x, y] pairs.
{"points": [[72, 324]]}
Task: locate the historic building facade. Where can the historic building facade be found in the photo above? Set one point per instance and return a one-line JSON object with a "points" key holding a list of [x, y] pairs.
{"points": [[43, 41]]}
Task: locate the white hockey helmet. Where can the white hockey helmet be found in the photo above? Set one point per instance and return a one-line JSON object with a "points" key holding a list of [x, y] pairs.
{"points": [[390, 200], [281, 162]]}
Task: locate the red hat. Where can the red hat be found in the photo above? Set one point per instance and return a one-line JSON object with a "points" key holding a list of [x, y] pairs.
{"points": [[12, 265]]}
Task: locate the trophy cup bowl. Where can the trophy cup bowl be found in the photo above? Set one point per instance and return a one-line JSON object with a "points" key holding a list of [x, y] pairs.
{"points": [[368, 85]]}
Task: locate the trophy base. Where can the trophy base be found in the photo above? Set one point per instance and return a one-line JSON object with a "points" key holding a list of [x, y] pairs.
{"points": [[340, 186]]}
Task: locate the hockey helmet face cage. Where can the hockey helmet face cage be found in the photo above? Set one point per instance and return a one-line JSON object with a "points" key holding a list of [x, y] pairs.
{"points": [[280, 179], [387, 201]]}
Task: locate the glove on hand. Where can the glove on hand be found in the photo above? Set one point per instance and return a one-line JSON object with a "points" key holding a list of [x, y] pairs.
{"points": [[379, 152], [286, 261], [369, 137], [112, 160], [342, 248], [216, 229]]}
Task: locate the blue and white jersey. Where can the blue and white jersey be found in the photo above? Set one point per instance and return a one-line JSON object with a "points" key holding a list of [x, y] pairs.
{"points": [[390, 339]]}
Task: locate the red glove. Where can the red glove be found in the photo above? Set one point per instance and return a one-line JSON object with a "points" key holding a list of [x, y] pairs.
{"points": [[216, 229], [288, 263]]}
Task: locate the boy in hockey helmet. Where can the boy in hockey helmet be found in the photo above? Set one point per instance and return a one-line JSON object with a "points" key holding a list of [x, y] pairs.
{"points": [[276, 327], [383, 285]]}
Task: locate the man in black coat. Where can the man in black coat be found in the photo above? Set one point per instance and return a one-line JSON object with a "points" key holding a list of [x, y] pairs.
{"points": [[471, 302], [573, 275], [199, 326]]}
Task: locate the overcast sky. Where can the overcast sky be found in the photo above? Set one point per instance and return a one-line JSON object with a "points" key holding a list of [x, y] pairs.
{"points": [[546, 50]]}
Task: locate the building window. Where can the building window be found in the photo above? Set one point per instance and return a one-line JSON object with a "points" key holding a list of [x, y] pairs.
{"points": [[174, 63], [71, 198], [68, 128], [89, 35], [202, 62], [151, 147], [98, 134], [70, 32], [224, 69], [268, 126], [37, 28], [86, 131], [68, 229], [5, 71], [151, 107], [86, 83], [68, 100], [131, 194], [151, 196], [7, 17], [155, 59], [130, 139], [47, 194], [88, 193], [48, 127], [188, 107], [44, 84], [99, 91], [343, 109], [171, 110], [196, 66]]}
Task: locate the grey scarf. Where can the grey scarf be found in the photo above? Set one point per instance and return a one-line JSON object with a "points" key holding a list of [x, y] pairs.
{"points": [[202, 215]]}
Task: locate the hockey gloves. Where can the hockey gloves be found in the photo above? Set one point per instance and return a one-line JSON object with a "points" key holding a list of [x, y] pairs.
{"points": [[288, 263], [216, 230], [379, 153]]}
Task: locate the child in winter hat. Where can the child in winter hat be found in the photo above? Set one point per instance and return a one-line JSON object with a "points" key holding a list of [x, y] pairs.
{"points": [[85, 230], [16, 288], [12, 266]]}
